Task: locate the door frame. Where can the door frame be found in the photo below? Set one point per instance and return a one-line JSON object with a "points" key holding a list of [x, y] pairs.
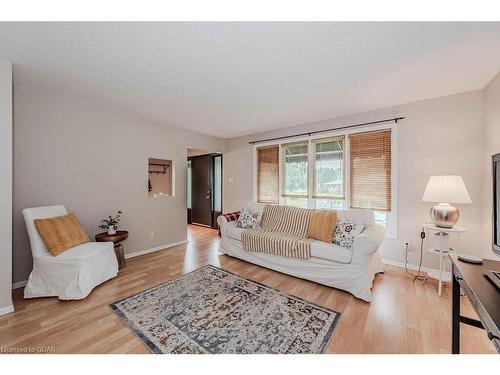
{"points": [[214, 214]]}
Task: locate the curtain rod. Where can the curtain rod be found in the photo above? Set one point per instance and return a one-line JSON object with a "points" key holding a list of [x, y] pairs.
{"points": [[395, 120]]}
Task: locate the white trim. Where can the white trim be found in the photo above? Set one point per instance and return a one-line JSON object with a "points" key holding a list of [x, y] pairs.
{"points": [[347, 171], [280, 174], [153, 249], [431, 272], [172, 177], [6, 309], [392, 218], [254, 174], [311, 164], [19, 284]]}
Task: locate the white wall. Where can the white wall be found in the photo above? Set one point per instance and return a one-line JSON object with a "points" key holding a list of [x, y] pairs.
{"points": [[95, 161], [439, 136], [492, 146], [5, 187]]}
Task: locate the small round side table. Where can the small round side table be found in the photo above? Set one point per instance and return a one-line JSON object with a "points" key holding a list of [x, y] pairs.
{"points": [[442, 255], [117, 238]]}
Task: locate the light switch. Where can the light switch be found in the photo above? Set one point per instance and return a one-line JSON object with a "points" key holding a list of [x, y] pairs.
{"points": [[230, 180]]}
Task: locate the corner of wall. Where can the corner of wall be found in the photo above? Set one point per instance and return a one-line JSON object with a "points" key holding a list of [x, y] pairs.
{"points": [[6, 187]]}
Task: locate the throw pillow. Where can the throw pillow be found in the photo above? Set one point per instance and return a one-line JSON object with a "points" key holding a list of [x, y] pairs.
{"points": [[249, 219], [345, 232], [61, 233], [322, 225]]}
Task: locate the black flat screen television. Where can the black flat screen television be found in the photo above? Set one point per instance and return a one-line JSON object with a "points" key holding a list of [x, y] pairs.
{"points": [[496, 203]]}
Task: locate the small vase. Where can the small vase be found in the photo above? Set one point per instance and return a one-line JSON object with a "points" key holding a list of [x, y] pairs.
{"points": [[111, 230]]}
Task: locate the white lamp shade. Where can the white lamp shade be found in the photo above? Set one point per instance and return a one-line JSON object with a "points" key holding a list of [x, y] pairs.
{"points": [[446, 189]]}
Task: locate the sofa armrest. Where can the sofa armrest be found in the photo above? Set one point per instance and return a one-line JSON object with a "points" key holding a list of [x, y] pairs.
{"points": [[225, 219], [222, 222], [368, 241]]}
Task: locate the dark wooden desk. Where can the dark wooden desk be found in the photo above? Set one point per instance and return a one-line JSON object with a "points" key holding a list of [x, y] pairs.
{"points": [[483, 296]]}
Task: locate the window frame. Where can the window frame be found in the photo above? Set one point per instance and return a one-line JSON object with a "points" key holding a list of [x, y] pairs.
{"points": [[392, 216]]}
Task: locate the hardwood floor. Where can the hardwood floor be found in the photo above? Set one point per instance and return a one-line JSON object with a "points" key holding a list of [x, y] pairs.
{"points": [[404, 317]]}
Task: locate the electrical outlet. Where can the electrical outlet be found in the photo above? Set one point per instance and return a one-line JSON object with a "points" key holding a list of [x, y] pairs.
{"points": [[151, 235], [406, 245]]}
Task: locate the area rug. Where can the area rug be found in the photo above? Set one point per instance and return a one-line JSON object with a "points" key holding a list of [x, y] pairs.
{"points": [[211, 310]]}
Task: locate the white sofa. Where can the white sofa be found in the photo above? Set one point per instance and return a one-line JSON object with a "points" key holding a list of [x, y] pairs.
{"points": [[72, 274], [350, 269]]}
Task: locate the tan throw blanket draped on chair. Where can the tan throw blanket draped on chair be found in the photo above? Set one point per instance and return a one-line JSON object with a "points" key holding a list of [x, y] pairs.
{"points": [[284, 232]]}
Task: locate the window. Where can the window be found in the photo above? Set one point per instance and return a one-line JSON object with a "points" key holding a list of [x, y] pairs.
{"points": [[295, 173], [329, 173], [370, 170], [268, 174], [348, 169]]}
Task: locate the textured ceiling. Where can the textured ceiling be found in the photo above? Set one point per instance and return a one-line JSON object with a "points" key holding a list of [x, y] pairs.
{"points": [[230, 79]]}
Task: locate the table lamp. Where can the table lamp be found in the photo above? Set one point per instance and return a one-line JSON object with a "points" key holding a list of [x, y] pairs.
{"points": [[445, 190]]}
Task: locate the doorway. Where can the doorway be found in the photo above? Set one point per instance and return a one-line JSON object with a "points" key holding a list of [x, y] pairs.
{"points": [[204, 188]]}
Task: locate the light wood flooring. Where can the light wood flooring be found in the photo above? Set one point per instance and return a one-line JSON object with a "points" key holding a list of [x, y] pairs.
{"points": [[404, 316]]}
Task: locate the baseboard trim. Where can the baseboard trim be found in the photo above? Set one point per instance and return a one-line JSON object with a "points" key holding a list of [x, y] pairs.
{"points": [[431, 272], [153, 249], [6, 309]]}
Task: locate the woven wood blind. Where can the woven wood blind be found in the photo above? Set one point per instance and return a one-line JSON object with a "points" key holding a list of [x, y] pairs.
{"points": [[268, 174], [370, 167]]}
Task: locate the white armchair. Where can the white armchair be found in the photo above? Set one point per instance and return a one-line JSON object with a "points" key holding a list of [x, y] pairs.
{"points": [[72, 274]]}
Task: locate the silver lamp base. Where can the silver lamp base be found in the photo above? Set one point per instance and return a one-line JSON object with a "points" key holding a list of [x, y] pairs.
{"points": [[444, 215]]}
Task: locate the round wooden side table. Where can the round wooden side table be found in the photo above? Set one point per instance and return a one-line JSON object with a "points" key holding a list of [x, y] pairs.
{"points": [[117, 238]]}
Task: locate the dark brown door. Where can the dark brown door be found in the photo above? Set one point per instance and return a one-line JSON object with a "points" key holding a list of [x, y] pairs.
{"points": [[201, 193]]}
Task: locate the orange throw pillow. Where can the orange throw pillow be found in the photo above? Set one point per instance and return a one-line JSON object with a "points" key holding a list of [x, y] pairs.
{"points": [[322, 225], [61, 233]]}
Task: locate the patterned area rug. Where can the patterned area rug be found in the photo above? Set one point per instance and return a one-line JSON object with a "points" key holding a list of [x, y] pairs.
{"points": [[214, 311]]}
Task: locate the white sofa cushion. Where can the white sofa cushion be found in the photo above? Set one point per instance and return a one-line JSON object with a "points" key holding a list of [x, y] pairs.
{"points": [[319, 249], [38, 247], [86, 250], [330, 251]]}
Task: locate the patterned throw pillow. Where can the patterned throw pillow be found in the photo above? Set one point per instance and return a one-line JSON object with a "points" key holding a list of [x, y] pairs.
{"points": [[345, 232], [249, 219]]}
